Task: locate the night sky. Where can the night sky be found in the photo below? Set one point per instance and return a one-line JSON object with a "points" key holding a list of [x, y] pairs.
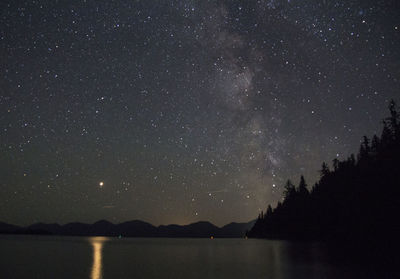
{"points": [[181, 111]]}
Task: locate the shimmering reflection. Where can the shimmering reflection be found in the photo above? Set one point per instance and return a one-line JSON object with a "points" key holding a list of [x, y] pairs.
{"points": [[146, 258], [97, 244]]}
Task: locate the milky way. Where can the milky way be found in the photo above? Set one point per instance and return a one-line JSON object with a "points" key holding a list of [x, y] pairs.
{"points": [[180, 111]]}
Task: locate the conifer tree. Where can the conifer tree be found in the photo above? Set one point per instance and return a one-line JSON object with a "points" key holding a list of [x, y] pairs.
{"points": [[303, 191], [324, 169], [290, 190]]}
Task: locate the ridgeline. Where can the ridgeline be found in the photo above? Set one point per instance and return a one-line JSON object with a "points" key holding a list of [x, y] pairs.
{"points": [[357, 200], [135, 228]]}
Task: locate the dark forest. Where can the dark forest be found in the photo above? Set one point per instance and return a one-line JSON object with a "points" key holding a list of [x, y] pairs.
{"points": [[355, 199]]}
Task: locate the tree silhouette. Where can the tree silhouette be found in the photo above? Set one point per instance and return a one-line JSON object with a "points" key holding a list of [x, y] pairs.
{"points": [[375, 144], [364, 149], [303, 191], [335, 163], [324, 169], [394, 119], [357, 200], [269, 210], [289, 191]]}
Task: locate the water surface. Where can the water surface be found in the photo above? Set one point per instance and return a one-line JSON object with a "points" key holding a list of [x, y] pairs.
{"points": [[106, 258]]}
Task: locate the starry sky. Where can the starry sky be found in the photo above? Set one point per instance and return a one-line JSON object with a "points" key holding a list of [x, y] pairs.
{"points": [[180, 111]]}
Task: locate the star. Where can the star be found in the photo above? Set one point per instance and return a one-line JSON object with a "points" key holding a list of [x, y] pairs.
{"points": [[234, 95]]}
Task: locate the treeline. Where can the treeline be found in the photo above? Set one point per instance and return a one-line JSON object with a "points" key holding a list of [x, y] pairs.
{"points": [[358, 199]]}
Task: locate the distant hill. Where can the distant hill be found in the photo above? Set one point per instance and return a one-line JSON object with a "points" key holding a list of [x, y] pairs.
{"points": [[4, 227], [133, 228], [199, 229]]}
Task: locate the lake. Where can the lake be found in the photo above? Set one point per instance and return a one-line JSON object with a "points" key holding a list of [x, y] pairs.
{"points": [[106, 258]]}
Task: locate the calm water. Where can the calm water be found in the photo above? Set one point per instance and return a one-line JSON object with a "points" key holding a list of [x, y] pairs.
{"points": [[101, 257]]}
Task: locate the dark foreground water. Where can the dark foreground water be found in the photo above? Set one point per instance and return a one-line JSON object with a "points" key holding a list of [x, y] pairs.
{"points": [[102, 257]]}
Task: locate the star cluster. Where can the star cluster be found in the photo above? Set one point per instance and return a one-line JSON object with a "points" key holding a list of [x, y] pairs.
{"points": [[180, 111]]}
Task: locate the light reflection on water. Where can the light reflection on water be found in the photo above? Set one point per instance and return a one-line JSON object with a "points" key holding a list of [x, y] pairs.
{"points": [[112, 258], [97, 266]]}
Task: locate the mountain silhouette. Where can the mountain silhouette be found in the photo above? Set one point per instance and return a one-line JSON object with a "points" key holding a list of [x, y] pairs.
{"points": [[199, 229], [7, 228], [135, 228], [233, 229]]}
